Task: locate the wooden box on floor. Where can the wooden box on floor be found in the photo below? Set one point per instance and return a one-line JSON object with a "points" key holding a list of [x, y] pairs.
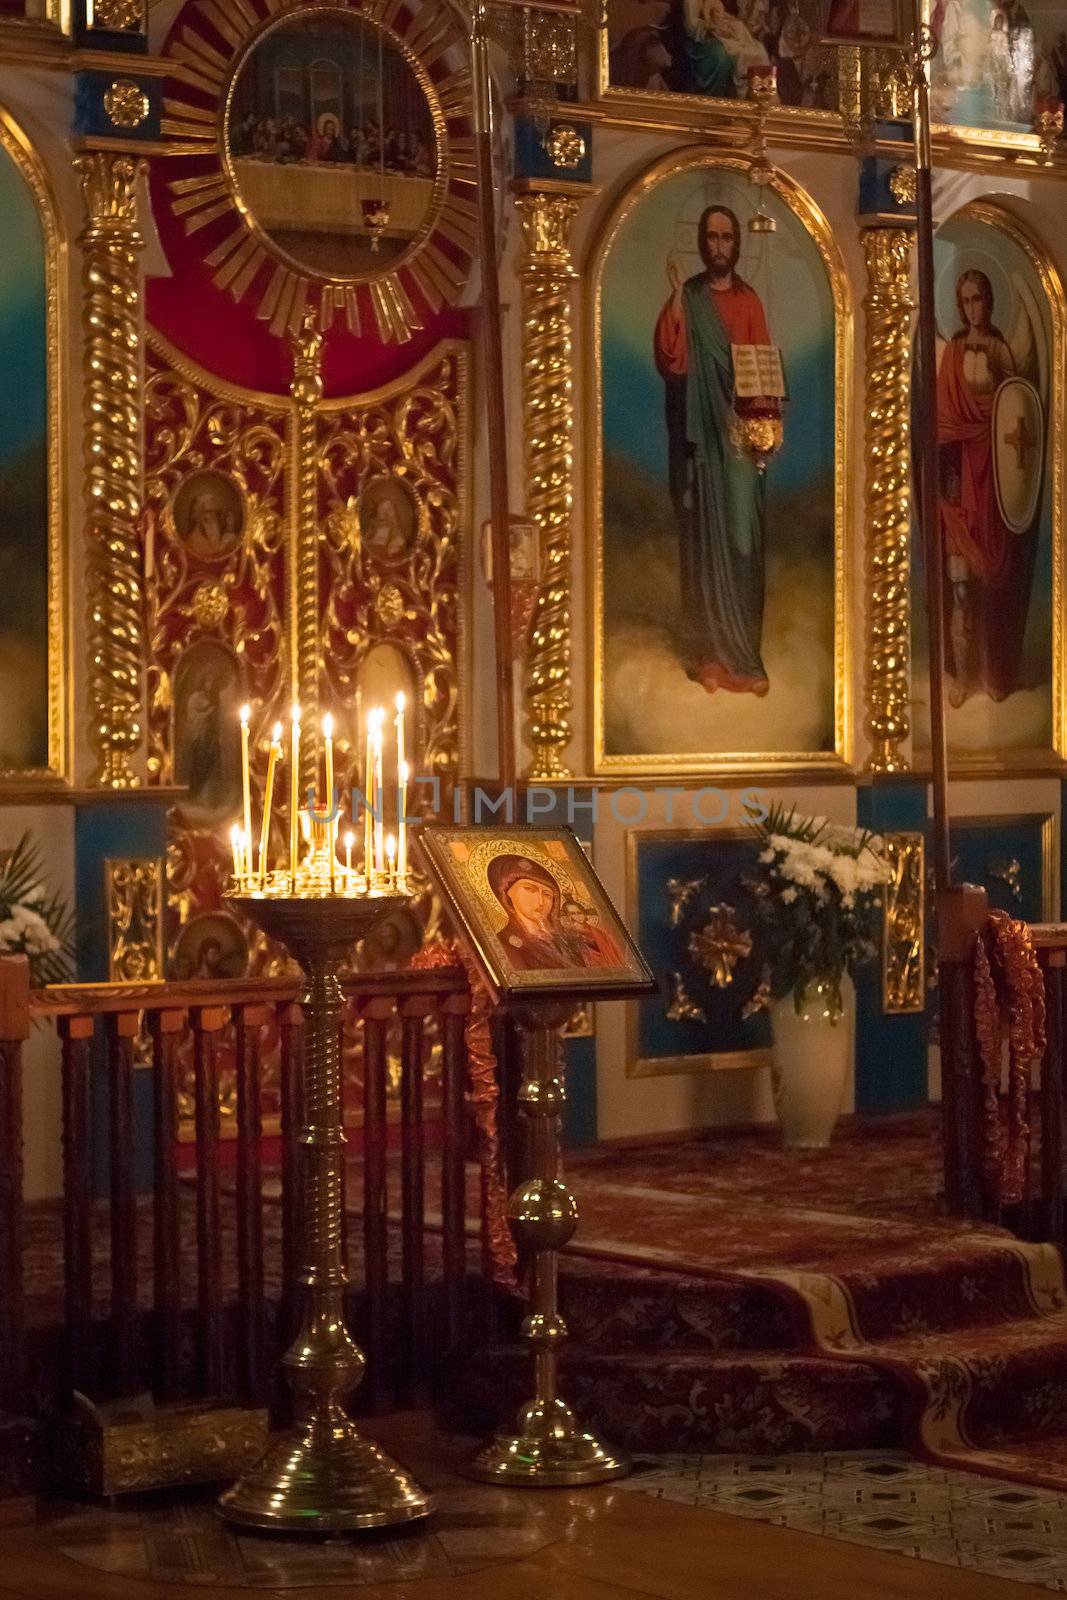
{"points": [[133, 1445]]}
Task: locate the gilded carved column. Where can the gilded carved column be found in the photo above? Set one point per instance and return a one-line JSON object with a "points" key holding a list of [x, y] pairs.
{"points": [[546, 275], [888, 306], [114, 461], [305, 623]]}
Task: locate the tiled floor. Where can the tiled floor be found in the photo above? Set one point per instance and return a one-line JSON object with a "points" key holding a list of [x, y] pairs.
{"points": [[886, 1501]]}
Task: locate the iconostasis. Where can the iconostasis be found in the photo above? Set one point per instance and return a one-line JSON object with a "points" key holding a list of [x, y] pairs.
{"points": [[244, 461]]}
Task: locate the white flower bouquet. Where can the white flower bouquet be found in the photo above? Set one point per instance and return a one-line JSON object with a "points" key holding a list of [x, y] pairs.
{"points": [[818, 889], [34, 922]]}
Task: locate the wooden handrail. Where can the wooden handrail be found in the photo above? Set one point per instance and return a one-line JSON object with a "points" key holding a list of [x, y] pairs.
{"points": [[98, 999]]}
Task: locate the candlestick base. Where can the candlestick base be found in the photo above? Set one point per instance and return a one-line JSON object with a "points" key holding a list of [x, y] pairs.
{"points": [[549, 1450], [311, 1481]]}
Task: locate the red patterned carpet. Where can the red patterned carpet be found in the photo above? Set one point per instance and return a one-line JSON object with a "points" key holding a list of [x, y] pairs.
{"points": [[890, 1321]]}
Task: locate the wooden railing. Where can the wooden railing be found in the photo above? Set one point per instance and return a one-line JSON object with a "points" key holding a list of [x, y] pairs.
{"points": [[242, 1311]]}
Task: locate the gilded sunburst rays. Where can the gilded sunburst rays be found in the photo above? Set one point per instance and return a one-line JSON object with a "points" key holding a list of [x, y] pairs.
{"points": [[207, 50]]}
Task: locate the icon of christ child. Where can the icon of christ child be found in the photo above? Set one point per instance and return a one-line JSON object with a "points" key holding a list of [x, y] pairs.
{"points": [[718, 494]]}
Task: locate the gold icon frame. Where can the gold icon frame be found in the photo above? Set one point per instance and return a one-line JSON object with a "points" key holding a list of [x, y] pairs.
{"points": [[804, 208]]}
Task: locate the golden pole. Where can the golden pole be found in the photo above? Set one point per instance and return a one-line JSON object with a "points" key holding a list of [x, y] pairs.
{"points": [[496, 416], [929, 484]]}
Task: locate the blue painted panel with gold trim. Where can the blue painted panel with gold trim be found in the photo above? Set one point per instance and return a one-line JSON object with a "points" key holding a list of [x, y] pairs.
{"points": [[681, 887]]}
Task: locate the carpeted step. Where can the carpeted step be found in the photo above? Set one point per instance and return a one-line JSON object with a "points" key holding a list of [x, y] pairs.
{"points": [[648, 1309], [689, 1400], [977, 1282], [1013, 1376]]}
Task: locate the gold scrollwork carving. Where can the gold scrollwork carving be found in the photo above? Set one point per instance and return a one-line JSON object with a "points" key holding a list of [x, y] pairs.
{"points": [[134, 897], [126, 103], [546, 274], [565, 146], [680, 891], [681, 1006], [887, 505], [903, 185], [903, 942], [199, 429], [114, 460], [117, 16], [720, 945], [408, 439]]}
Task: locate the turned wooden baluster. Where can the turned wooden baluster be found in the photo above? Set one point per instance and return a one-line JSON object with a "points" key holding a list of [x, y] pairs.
{"points": [[291, 1025], [207, 1023], [453, 1164], [76, 1048], [376, 1015], [251, 1305], [121, 1033], [413, 1011]]}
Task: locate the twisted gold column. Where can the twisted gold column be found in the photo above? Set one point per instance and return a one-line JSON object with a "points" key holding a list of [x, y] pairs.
{"points": [[549, 1447], [887, 500], [114, 461], [546, 275], [305, 624]]}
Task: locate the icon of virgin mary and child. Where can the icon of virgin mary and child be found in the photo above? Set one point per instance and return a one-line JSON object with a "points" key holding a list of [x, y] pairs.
{"points": [[544, 931]]}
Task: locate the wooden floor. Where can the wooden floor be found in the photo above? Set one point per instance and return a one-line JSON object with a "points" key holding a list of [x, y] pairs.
{"points": [[599, 1544]]}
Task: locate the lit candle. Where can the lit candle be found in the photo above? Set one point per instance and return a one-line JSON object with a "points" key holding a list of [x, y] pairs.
{"points": [[399, 723], [368, 801], [390, 857], [350, 840], [294, 793], [331, 832], [402, 826], [268, 796], [235, 846], [379, 794], [246, 788], [327, 734]]}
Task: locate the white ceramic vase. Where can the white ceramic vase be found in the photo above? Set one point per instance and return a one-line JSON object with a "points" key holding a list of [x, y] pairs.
{"points": [[811, 1064]]}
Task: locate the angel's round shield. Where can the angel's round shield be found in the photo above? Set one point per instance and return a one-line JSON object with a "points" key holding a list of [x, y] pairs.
{"points": [[1018, 452]]}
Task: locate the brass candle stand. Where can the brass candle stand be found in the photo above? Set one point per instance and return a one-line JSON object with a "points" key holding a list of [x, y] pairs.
{"points": [[321, 1476], [549, 1447]]}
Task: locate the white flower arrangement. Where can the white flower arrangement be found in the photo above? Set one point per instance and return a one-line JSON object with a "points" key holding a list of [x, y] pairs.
{"points": [[33, 922], [818, 890]]}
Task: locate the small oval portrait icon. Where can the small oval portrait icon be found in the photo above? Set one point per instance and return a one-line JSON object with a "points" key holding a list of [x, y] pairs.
{"points": [[388, 518], [209, 515]]}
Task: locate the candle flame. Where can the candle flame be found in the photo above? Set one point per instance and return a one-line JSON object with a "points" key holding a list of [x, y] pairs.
{"points": [[400, 702], [405, 772], [350, 839], [296, 715], [390, 847], [276, 733], [246, 712], [235, 834], [327, 726]]}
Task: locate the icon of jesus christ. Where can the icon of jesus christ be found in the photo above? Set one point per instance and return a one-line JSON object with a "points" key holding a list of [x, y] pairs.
{"points": [[718, 494]]}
